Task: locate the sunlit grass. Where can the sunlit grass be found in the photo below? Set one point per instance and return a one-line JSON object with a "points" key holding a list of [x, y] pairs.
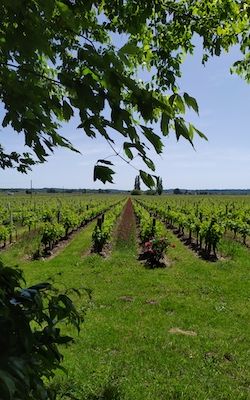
{"points": [[126, 350]]}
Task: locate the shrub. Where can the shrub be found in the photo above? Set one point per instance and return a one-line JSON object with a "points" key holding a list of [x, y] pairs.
{"points": [[135, 192], [29, 335], [154, 249]]}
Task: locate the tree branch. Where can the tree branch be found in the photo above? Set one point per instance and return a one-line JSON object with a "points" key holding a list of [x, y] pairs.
{"points": [[118, 155], [20, 67]]}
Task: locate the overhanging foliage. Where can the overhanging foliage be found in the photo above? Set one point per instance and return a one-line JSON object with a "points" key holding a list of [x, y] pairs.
{"points": [[58, 59]]}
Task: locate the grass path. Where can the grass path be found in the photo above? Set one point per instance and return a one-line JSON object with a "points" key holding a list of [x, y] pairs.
{"points": [[125, 350]]}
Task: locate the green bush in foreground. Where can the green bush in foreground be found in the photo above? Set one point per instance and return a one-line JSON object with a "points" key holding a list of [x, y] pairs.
{"points": [[29, 335]]}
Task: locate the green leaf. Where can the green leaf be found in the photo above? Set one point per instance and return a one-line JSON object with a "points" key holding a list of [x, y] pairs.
{"points": [[149, 163], [89, 132], [67, 111], [191, 102], [105, 162], [64, 340], [217, 49], [8, 383], [165, 124], [200, 134], [103, 174], [17, 367], [147, 179], [64, 9], [182, 130], [127, 151], [116, 118], [191, 131], [180, 103], [133, 134], [129, 48], [153, 138]]}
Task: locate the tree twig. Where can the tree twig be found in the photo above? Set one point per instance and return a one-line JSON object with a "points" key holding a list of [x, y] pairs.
{"points": [[119, 155]]}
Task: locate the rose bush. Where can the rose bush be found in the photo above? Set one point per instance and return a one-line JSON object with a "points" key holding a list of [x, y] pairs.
{"points": [[155, 248]]}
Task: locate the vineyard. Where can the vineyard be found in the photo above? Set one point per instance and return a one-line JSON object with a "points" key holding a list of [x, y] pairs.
{"points": [[204, 222], [169, 276], [50, 220], [201, 222]]}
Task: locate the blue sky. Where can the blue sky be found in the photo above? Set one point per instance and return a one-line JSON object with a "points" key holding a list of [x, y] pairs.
{"points": [[222, 162]]}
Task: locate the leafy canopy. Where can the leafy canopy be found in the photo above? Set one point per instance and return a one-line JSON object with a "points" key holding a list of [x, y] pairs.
{"points": [[58, 59]]}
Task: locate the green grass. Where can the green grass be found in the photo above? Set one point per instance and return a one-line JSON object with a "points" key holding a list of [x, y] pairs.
{"points": [[125, 350]]}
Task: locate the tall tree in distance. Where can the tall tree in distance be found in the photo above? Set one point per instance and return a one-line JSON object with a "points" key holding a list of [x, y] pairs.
{"points": [[159, 186], [137, 185]]}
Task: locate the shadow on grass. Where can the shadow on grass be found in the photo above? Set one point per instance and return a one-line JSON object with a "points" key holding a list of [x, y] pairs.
{"points": [[70, 391], [188, 242], [109, 392], [149, 263]]}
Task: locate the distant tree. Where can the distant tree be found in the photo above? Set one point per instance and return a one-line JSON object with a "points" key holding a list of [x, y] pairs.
{"points": [[51, 190], [135, 192], [150, 192], [159, 186], [177, 191], [204, 193], [137, 185]]}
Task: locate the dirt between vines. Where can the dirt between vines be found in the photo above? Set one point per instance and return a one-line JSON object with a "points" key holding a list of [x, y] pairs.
{"points": [[127, 223]]}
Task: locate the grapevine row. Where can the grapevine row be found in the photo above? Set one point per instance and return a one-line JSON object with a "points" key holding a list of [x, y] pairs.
{"points": [[152, 235], [68, 221], [103, 229], [202, 223]]}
